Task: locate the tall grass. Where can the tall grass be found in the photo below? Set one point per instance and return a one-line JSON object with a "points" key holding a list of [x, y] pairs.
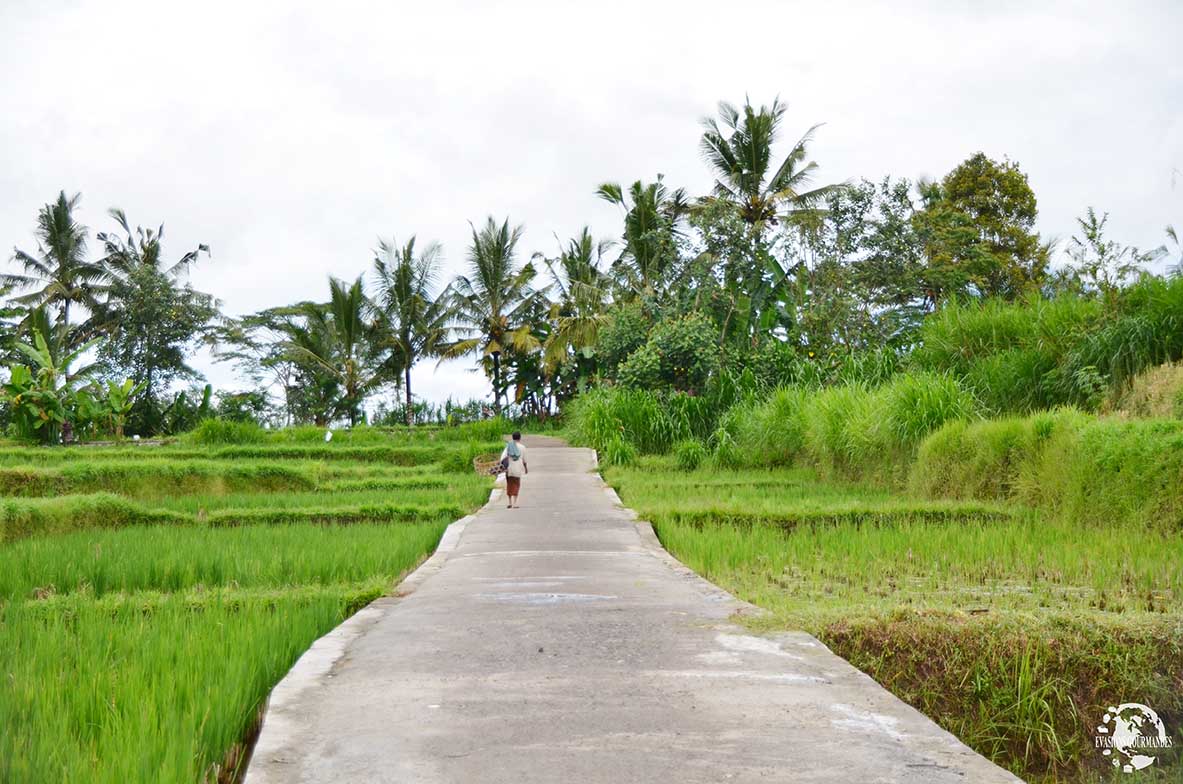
{"points": [[1094, 472], [603, 415], [1019, 357], [215, 432]]}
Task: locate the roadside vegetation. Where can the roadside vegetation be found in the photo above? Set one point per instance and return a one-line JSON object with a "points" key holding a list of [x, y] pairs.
{"points": [[150, 597]]}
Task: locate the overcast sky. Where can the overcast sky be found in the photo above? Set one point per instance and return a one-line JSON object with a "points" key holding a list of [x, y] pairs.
{"points": [[289, 135]]}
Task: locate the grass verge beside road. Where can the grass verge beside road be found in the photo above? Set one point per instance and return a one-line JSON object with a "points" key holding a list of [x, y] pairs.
{"points": [[1011, 629]]}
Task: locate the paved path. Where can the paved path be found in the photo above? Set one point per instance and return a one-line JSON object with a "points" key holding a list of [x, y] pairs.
{"points": [[559, 643]]}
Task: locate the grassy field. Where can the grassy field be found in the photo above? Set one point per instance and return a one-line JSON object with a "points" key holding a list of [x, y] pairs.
{"points": [[151, 596], [1014, 629]]}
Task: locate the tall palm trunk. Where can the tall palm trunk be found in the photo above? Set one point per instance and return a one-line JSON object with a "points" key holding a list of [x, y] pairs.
{"points": [[497, 382], [407, 376]]}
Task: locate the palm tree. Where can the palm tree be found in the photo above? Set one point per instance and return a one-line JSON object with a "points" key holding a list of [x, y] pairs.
{"points": [[414, 320], [59, 273], [740, 152], [141, 248], [337, 341], [580, 309], [651, 216], [490, 302]]}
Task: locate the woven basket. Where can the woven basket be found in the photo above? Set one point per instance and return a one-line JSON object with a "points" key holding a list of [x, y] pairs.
{"points": [[487, 464]]}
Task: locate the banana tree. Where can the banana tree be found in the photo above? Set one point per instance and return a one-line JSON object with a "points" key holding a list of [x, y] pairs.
{"points": [[118, 402], [41, 392]]}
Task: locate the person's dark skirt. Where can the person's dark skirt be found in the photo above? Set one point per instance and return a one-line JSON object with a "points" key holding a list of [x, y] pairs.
{"points": [[512, 485]]}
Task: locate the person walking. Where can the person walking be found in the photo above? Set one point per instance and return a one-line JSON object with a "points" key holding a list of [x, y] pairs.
{"points": [[513, 457]]}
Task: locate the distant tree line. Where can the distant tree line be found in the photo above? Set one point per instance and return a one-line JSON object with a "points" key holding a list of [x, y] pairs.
{"points": [[768, 271]]}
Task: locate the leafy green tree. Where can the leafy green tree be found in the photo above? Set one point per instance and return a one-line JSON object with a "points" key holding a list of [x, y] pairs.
{"points": [[758, 282], [679, 355], [1100, 264], [247, 406], [59, 275], [153, 321], [977, 226], [257, 345], [413, 318], [625, 329], [116, 403], [652, 218], [491, 301]]}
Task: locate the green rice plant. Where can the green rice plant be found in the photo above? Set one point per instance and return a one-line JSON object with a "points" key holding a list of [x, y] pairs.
{"points": [[174, 559], [134, 694], [337, 515], [216, 432], [156, 477], [485, 430], [1011, 629], [690, 454], [40, 516], [458, 457]]}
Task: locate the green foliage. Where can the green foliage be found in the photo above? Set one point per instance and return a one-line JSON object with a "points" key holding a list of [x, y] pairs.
{"points": [[626, 330], [216, 432], [690, 453], [978, 232], [642, 369], [677, 356]]}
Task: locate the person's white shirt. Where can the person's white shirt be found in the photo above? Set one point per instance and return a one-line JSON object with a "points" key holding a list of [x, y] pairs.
{"points": [[516, 467]]}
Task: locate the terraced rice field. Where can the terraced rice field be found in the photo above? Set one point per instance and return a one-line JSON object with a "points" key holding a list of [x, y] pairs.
{"points": [[1012, 630], [150, 597]]}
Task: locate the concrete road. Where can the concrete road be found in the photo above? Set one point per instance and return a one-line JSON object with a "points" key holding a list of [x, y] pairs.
{"points": [[558, 642]]}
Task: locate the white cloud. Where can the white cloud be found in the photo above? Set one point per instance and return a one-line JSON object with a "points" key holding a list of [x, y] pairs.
{"points": [[289, 136]]}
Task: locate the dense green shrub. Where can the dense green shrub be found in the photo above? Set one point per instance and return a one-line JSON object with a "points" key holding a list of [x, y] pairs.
{"points": [[215, 432], [679, 355], [690, 454]]}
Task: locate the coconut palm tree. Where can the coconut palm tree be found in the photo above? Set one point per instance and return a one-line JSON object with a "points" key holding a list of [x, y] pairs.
{"points": [[413, 317], [738, 146], [337, 342], [59, 273], [581, 307], [490, 302], [141, 248], [651, 216]]}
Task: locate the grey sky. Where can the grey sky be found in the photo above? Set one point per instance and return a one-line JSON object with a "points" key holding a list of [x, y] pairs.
{"points": [[290, 135]]}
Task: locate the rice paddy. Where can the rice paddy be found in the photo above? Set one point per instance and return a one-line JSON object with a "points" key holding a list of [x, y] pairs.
{"points": [[150, 597], [1012, 627]]}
